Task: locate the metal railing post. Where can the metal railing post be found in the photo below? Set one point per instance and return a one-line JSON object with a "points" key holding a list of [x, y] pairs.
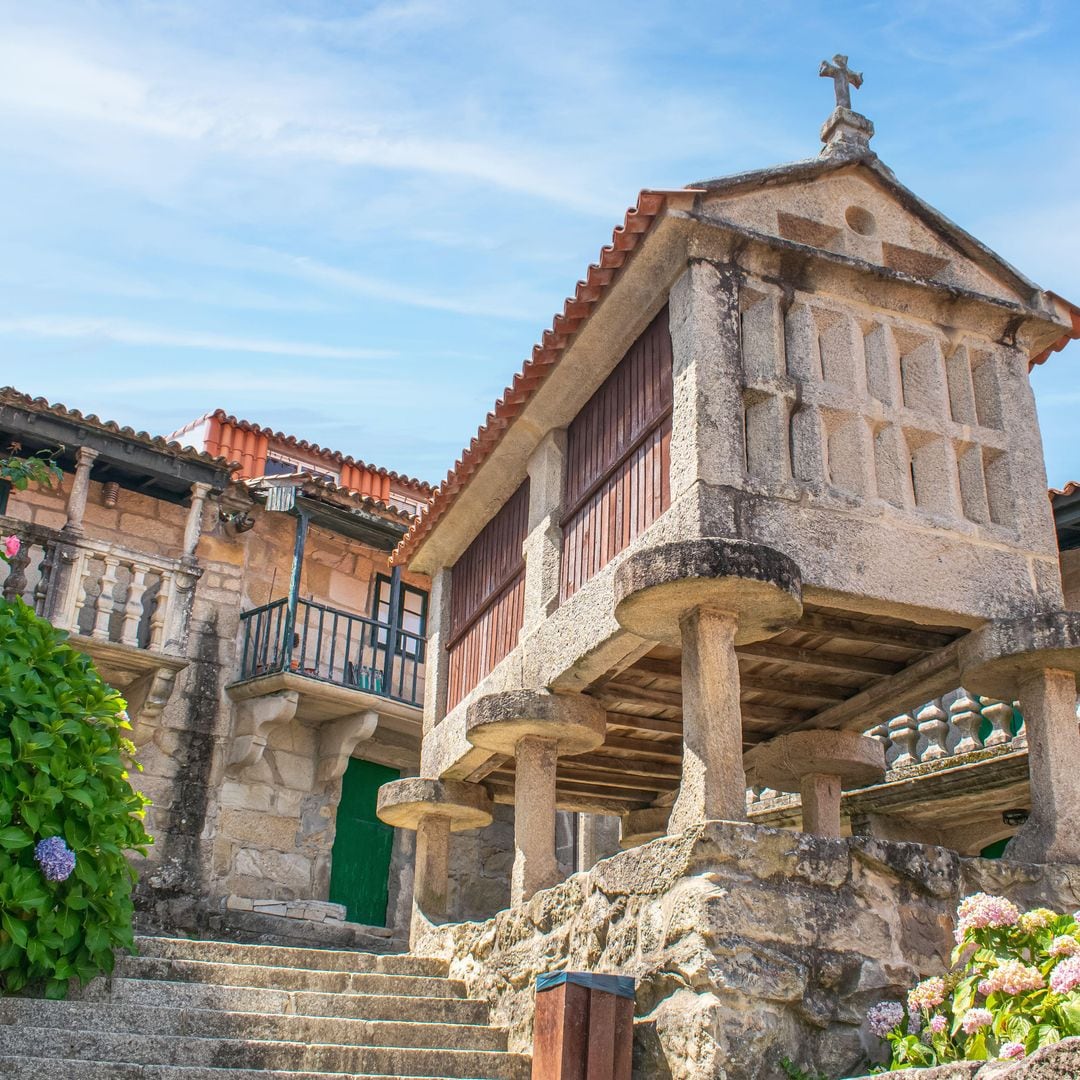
{"points": [[294, 586], [394, 620]]}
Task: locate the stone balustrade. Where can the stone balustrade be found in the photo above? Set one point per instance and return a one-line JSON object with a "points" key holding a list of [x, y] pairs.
{"points": [[945, 732], [100, 590]]}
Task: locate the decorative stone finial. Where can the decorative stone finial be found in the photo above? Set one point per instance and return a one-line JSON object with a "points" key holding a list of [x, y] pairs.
{"points": [[845, 132]]}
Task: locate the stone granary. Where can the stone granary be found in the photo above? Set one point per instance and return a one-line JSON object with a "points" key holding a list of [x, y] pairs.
{"points": [[773, 477]]}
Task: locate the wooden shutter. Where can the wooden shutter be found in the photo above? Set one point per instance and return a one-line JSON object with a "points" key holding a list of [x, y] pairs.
{"points": [[487, 603], [618, 458]]}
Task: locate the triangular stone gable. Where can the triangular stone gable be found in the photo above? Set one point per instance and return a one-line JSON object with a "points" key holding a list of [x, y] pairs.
{"points": [[852, 211]]}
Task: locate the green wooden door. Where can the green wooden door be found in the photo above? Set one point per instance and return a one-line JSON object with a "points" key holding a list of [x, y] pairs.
{"points": [[360, 861]]}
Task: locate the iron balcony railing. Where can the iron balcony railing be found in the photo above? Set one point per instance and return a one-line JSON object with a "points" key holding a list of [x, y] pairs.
{"points": [[334, 647]]}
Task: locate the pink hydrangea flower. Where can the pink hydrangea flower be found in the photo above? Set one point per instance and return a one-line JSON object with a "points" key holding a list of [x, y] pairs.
{"points": [[1064, 946], [883, 1017], [980, 911], [1012, 1050], [927, 995], [938, 1024], [12, 544], [974, 1019], [1013, 977], [1066, 976], [986, 987]]}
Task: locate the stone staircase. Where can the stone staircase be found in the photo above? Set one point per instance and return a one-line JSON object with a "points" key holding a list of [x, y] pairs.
{"points": [[208, 1010]]}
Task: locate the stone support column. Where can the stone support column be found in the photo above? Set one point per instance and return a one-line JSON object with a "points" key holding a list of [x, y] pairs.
{"points": [[818, 765], [543, 545], [437, 668], [431, 882], [705, 596], [193, 524], [713, 781], [1052, 832], [1037, 659], [535, 728], [820, 794], [80, 489], [434, 809], [535, 865]]}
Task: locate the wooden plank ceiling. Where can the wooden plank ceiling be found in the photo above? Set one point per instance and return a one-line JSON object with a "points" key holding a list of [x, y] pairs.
{"points": [[826, 658]]}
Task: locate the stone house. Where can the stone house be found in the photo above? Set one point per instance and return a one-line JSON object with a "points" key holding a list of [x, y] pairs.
{"points": [[245, 612]]}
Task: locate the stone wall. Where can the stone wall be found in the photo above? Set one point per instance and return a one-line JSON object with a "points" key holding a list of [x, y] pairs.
{"points": [[748, 943]]}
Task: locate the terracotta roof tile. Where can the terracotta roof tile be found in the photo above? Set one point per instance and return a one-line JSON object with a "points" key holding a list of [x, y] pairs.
{"points": [[1074, 314], [10, 396], [545, 356], [420, 486], [323, 485]]}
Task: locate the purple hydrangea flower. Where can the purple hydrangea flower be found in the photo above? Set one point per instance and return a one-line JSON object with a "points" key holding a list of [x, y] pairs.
{"points": [[55, 858], [884, 1017], [937, 1024]]}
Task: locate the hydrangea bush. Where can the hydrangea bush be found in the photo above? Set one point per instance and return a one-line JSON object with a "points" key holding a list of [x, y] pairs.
{"points": [[1014, 987], [68, 814]]}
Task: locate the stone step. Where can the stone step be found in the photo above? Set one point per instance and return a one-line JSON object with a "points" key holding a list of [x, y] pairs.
{"points": [[35, 1068], [227, 952], [122, 1017], [254, 1054], [286, 978], [247, 999]]}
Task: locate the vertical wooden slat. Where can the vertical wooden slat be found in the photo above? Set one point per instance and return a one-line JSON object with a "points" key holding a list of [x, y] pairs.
{"points": [[618, 458], [487, 602]]}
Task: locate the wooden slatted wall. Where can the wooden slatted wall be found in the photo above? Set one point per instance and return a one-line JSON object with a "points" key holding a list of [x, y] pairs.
{"points": [[487, 605], [618, 458]]}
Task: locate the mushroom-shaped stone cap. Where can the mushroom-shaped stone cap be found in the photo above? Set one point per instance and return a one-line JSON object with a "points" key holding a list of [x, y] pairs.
{"points": [[995, 658], [782, 762], [656, 587], [404, 803], [496, 722]]}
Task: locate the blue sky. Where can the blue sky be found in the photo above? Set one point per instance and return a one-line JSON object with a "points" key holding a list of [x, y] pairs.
{"points": [[352, 220]]}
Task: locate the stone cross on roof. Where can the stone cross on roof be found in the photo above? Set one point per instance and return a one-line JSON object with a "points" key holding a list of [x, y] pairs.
{"points": [[843, 79], [846, 133]]}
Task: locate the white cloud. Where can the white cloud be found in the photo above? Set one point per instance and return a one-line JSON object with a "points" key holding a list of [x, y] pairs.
{"points": [[122, 332]]}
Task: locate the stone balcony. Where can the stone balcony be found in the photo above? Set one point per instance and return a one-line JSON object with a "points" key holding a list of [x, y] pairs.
{"points": [[129, 610]]}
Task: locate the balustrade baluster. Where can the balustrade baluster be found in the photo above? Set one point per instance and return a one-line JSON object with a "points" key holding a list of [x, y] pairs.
{"points": [[106, 600], [15, 585], [967, 719], [881, 733], [81, 572], [934, 726], [1000, 716], [1021, 734], [45, 570], [905, 736], [133, 608], [160, 615]]}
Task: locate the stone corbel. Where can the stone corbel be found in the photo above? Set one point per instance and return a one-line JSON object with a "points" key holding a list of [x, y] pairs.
{"points": [[253, 721], [146, 697], [337, 741]]}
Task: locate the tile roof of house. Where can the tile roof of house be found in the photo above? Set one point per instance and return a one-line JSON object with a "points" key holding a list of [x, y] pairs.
{"points": [[601, 274], [10, 396], [302, 445], [324, 487], [1071, 488]]}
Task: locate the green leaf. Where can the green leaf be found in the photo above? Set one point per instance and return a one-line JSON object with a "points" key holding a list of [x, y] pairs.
{"points": [[14, 839]]}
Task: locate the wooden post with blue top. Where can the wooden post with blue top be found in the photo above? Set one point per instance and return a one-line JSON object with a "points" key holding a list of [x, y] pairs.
{"points": [[583, 1027]]}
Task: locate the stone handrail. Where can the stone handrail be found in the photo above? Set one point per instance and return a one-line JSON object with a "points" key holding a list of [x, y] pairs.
{"points": [[100, 590], [941, 733]]}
